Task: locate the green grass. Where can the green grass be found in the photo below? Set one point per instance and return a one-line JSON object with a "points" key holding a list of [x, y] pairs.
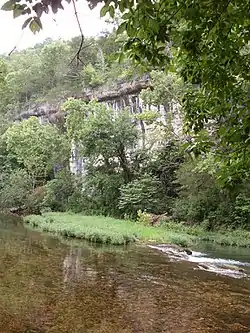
{"points": [[107, 230], [240, 238], [104, 230]]}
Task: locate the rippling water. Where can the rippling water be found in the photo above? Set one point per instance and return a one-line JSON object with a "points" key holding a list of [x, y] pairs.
{"points": [[60, 287]]}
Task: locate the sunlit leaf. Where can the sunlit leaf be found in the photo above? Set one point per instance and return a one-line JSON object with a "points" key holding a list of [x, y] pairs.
{"points": [[35, 25], [104, 10]]}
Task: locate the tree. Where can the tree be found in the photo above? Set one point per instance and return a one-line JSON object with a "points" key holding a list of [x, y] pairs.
{"points": [[144, 193], [24, 75], [38, 147], [91, 77], [54, 58], [4, 88], [102, 134], [207, 42], [168, 89]]}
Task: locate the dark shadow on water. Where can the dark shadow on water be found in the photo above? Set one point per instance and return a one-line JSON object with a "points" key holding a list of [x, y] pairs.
{"points": [[49, 286]]}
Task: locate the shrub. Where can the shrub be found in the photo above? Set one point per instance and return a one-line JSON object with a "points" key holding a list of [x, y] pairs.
{"points": [[241, 212], [58, 191], [143, 194], [15, 189], [143, 217], [200, 198], [97, 194], [202, 201], [34, 200]]}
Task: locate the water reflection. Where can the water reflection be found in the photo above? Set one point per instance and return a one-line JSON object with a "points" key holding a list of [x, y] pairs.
{"points": [[48, 286]]}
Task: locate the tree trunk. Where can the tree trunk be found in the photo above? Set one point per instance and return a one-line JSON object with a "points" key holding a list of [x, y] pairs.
{"points": [[124, 164]]}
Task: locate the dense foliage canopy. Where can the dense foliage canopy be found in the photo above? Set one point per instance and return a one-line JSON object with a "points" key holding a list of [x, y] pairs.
{"points": [[207, 43], [196, 54]]}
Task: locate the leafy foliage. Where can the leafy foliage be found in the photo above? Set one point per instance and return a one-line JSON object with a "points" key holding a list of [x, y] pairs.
{"points": [[15, 189], [91, 77], [58, 191], [168, 89], [207, 43], [101, 134], [141, 194], [205, 48], [201, 200], [38, 147], [100, 195]]}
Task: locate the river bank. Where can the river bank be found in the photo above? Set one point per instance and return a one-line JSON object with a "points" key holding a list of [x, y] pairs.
{"points": [[107, 230]]}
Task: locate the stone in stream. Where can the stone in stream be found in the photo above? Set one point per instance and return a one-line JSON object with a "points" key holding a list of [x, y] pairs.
{"points": [[220, 268], [180, 249], [231, 267], [189, 252], [204, 266], [173, 249]]}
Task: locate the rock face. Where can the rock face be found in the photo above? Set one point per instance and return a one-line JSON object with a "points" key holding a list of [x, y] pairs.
{"points": [[127, 95], [44, 111]]}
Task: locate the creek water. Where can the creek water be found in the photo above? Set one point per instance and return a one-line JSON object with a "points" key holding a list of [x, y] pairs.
{"points": [[49, 285]]}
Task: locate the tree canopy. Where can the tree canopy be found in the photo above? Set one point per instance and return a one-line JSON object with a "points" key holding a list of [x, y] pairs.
{"points": [[196, 54], [38, 147], [205, 42]]}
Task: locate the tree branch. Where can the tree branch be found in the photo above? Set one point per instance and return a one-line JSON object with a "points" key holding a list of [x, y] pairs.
{"points": [[77, 55]]}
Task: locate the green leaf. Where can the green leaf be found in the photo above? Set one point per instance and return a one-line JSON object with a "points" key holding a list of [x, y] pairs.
{"points": [[111, 11], [121, 57], [35, 25], [38, 21], [130, 30], [9, 5], [121, 7], [121, 28], [18, 10], [104, 10], [26, 22], [154, 25], [126, 16]]}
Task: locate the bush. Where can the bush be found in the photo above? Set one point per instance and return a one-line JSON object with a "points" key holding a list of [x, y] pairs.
{"points": [[199, 197], [143, 194], [143, 217], [202, 201], [97, 194], [34, 200], [241, 212], [58, 191], [15, 189]]}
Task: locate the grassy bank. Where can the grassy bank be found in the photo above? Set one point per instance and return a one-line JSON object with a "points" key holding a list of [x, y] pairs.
{"points": [[107, 230]]}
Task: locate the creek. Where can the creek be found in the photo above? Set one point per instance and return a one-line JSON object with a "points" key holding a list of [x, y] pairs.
{"points": [[48, 285]]}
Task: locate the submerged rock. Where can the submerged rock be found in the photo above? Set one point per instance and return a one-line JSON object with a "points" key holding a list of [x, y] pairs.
{"points": [[232, 268], [189, 252], [177, 251]]}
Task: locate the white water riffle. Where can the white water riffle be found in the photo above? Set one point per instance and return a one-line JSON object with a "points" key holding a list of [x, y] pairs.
{"points": [[228, 267]]}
